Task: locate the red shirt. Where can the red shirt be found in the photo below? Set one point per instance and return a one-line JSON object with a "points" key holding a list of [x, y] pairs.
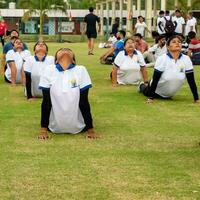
{"points": [[194, 45], [3, 28], [141, 46]]}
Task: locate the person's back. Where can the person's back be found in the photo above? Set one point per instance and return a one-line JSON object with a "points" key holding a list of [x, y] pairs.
{"points": [[91, 21], [91, 32]]}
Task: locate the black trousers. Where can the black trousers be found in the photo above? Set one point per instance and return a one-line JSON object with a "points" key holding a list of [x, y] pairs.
{"points": [[145, 89]]}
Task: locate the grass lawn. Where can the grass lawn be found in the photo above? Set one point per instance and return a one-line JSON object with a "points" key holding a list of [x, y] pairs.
{"points": [[145, 151]]}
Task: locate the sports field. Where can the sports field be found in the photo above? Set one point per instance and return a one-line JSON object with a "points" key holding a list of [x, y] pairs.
{"points": [[146, 151]]}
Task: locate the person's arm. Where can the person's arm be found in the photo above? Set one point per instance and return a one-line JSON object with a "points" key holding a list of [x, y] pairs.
{"points": [[160, 26], [192, 84], [45, 114], [114, 75], [108, 53], [156, 77], [28, 85], [84, 106], [144, 74], [189, 53], [13, 69], [23, 76]]}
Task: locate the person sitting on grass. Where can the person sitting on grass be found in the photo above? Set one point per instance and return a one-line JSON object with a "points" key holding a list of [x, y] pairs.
{"points": [[155, 51], [194, 48], [109, 56], [65, 107], [140, 44], [129, 65], [111, 41], [170, 71], [15, 59], [34, 68], [13, 35]]}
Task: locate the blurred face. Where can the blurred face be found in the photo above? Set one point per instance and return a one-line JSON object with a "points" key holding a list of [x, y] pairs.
{"points": [[162, 42], [18, 44], [178, 14], [130, 45], [64, 54], [175, 45], [137, 39], [40, 47], [141, 19], [118, 35], [14, 34]]}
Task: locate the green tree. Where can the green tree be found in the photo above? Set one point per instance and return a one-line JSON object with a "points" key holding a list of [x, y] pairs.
{"points": [[41, 7], [3, 3]]}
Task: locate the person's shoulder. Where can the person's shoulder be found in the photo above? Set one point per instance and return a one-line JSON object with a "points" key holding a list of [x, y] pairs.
{"points": [[184, 57], [50, 58], [138, 53], [80, 67], [11, 51], [162, 57], [8, 45], [121, 53]]}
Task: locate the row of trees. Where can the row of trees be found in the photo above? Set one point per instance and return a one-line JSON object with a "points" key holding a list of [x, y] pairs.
{"points": [[75, 4], [40, 7]]}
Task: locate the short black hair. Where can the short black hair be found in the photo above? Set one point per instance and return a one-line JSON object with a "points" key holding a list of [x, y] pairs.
{"points": [[160, 37], [91, 9], [191, 35], [178, 11], [140, 16], [167, 12], [123, 32], [13, 31], [161, 12], [138, 35]]}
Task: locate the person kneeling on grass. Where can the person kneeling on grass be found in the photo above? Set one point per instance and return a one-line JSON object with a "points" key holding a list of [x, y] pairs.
{"points": [[129, 65], [170, 71], [34, 68], [65, 107]]}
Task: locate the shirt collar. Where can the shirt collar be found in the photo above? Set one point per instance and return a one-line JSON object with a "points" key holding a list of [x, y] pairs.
{"points": [[134, 53], [60, 69], [170, 55], [37, 59]]}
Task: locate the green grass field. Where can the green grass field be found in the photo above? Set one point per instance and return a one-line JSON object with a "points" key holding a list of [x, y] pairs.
{"points": [[145, 151]]}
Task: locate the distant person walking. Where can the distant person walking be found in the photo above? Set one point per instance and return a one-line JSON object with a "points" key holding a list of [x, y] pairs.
{"points": [[91, 19]]}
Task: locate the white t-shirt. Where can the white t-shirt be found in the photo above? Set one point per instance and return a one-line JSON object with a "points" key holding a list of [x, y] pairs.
{"points": [[129, 67], [160, 19], [36, 69], [157, 50], [190, 23], [180, 22], [65, 87], [140, 27], [18, 59], [112, 39], [173, 73]]}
